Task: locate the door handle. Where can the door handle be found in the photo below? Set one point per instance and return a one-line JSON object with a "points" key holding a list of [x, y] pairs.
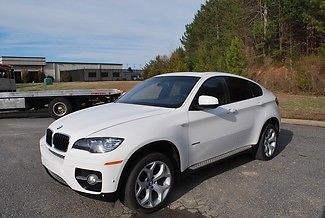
{"points": [[232, 111]]}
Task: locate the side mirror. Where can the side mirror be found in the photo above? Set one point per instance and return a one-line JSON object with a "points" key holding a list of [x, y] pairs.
{"points": [[206, 101]]}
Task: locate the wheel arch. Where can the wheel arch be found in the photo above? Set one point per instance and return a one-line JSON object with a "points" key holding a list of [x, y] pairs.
{"points": [[163, 146], [272, 120]]}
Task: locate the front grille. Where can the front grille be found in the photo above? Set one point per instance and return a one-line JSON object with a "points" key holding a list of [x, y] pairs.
{"points": [[60, 142], [49, 137]]}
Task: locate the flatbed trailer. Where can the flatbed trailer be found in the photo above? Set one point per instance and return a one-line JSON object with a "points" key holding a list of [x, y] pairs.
{"points": [[59, 102]]}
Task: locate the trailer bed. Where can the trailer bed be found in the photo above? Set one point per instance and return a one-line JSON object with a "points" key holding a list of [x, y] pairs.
{"points": [[61, 93]]}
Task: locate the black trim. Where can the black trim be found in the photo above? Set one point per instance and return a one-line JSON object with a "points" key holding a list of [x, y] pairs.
{"points": [[56, 154]]}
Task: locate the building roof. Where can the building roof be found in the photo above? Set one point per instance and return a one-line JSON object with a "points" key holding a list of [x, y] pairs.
{"points": [[25, 57], [55, 62], [94, 63]]}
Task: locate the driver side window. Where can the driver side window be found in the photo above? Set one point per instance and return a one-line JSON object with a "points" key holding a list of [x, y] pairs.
{"points": [[216, 87]]}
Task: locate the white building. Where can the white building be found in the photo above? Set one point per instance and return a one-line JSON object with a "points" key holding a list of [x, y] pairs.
{"points": [[75, 71]]}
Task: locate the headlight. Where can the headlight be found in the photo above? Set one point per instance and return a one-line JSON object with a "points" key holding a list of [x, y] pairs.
{"points": [[98, 145]]}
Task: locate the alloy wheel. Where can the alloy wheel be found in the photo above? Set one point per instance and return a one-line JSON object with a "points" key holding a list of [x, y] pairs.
{"points": [[270, 142], [153, 184]]}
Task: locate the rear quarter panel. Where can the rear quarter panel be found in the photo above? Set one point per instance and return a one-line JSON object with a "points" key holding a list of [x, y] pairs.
{"points": [[268, 110]]}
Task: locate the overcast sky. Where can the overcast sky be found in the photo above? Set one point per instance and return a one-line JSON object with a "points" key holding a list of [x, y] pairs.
{"points": [[130, 32]]}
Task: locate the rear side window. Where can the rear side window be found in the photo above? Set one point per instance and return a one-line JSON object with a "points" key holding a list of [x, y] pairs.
{"points": [[239, 89], [256, 89]]}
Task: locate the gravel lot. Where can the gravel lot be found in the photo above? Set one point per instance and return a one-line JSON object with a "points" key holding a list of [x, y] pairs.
{"points": [[292, 184]]}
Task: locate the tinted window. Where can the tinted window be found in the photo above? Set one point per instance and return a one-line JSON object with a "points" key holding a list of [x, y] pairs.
{"points": [[215, 87], [256, 89], [239, 89], [92, 74], [165, 91], [104, 74]]}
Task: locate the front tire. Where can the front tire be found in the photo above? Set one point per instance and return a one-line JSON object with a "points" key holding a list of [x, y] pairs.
{"points": [[268, 143], [149, 184]]}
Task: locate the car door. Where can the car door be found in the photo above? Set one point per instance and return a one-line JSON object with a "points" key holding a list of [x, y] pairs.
{"points": [[247, 105], [212, 132]]}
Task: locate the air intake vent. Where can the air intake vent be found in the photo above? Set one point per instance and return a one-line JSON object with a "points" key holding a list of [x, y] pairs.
{"points": [[61, 142]]}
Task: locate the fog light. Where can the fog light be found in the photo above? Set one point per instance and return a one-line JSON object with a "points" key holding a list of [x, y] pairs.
{"points": [[89, 179], [92, 179]]}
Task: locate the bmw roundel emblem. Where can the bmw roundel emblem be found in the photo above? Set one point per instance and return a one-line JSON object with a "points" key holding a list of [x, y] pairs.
{"points": [[59, 127]]}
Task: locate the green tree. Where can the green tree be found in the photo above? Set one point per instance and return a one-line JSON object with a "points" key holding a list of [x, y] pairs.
{"points": [[234, 59], [201, 58], [207, 37], [177, 61], [157, 66], [26, 77]]}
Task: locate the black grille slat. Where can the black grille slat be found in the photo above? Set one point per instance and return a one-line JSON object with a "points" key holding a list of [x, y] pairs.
{"points": [[60, 142], [49, 134]]}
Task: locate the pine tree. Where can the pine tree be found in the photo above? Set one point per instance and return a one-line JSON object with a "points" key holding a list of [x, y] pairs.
{"points": [[234, 59], [177, 61]]}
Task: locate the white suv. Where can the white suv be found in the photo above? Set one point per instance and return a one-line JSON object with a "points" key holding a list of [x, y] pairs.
{"points": [[136, 146]]}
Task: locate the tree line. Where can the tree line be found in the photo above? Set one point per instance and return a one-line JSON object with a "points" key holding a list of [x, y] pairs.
{"points": [[231, 35]]}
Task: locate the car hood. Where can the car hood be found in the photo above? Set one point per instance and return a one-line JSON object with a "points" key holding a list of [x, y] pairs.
{"points": [[91, 120]]}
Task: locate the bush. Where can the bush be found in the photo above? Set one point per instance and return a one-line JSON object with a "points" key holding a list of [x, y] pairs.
{"points": [[26, 78], [66, 78], [303, 78], [41, 76], [50, 77]]}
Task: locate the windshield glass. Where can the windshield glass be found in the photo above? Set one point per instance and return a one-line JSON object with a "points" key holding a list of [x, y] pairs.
{"points": [[165, 91]]}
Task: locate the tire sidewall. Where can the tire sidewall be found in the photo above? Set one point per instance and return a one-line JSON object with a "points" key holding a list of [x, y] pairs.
{"points": [[129, 192], [260, 154]]}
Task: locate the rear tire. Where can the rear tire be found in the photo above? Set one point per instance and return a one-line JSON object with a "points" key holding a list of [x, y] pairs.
{"points": [[268, 143], [59, 107], [149, 183]]}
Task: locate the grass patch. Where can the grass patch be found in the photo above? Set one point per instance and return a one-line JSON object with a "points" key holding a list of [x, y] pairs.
{"points": [[292, 106], [302, 106]]}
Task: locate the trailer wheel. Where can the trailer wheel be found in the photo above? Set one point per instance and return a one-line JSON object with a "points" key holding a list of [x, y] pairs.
{"points": [[59, 107]]}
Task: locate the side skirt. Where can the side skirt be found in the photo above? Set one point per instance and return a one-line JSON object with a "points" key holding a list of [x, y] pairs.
{"points": [[220, 157]]}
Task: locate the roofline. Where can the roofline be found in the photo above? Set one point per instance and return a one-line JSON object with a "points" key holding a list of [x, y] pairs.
{"points": [[30, 57], [207, 75], [60, 62], [94, 63]]}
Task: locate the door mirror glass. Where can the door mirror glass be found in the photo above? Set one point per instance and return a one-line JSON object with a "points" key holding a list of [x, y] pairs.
{"points": [[208, 101]]}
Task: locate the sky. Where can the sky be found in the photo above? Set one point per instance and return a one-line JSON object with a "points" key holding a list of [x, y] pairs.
{"points": [[130, 32]]}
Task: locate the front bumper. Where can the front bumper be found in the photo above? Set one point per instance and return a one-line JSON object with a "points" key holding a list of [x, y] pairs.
{"points": [[65, 168]]}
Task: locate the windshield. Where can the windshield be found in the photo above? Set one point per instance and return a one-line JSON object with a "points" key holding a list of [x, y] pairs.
{"points": [[165, 91]]}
